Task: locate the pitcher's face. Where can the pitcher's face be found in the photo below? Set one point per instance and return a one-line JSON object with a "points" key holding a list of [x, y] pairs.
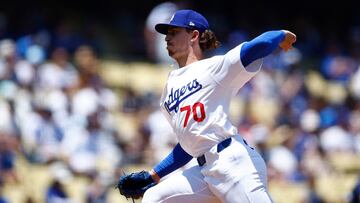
{"points": [[178, 42]]}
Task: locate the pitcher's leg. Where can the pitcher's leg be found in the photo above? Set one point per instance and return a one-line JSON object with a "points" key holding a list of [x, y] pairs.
{"points": [[188, 186], [238, 175], [248, 190]]}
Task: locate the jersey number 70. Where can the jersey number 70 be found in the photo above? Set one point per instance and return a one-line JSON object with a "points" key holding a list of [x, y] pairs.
{"points": [[197, 110]]}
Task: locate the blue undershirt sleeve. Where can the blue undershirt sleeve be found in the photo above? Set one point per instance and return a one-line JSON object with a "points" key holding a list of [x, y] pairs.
{"points": [[176, 159], [260, 46]]}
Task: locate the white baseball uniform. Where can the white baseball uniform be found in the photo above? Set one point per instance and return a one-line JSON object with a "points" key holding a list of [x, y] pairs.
{"points": [[196, 102]]}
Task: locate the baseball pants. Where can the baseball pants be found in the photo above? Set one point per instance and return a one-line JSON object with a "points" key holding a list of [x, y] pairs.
{"points": [[237, 174]]}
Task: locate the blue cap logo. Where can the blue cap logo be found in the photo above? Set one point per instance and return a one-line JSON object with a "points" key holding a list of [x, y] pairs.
{"points": [[186, 19]]}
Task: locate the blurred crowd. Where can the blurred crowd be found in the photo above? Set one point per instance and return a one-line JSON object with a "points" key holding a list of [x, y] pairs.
{"points": [[57, 111]]}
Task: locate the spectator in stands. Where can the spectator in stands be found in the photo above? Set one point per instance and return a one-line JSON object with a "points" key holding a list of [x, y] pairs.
{"points": [[3, 199], [97, 191], [58, 73], [155, 42], [56, 193], [162, 137], [88, 150], [354, 196], [7, 160], [8, 59], [48, 136]]}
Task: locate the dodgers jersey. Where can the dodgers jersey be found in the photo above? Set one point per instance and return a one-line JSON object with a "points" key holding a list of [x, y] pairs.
{"points": [[196, 99]]}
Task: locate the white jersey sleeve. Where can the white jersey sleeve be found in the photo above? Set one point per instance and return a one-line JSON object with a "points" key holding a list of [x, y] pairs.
{"points": [[231, 72]]}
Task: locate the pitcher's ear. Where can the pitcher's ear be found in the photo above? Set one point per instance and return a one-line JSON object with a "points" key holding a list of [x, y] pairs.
{"points": [[195, 35]]}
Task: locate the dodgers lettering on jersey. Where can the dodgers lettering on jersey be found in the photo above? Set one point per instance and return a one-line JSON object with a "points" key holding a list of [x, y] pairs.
{"points": [[175, 97], [196, 100]]}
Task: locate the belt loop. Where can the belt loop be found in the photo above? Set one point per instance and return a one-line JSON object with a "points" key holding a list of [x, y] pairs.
{"points": [[201, 160]]}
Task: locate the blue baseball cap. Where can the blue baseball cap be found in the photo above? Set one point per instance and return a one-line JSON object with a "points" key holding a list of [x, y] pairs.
{"points": [[186, 19]]}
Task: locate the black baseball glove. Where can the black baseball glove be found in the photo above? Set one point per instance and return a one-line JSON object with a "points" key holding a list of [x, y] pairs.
{"points": [[134, 185]]}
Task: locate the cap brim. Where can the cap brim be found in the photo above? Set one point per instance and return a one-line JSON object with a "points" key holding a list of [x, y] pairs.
{"points": [[163, 27]]}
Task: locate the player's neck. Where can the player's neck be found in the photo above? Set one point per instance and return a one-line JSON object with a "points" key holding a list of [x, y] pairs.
{"points": [[190, 58]]}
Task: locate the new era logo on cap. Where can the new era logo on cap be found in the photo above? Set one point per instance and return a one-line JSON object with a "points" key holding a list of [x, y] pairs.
{"points": [[186, 19]]}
